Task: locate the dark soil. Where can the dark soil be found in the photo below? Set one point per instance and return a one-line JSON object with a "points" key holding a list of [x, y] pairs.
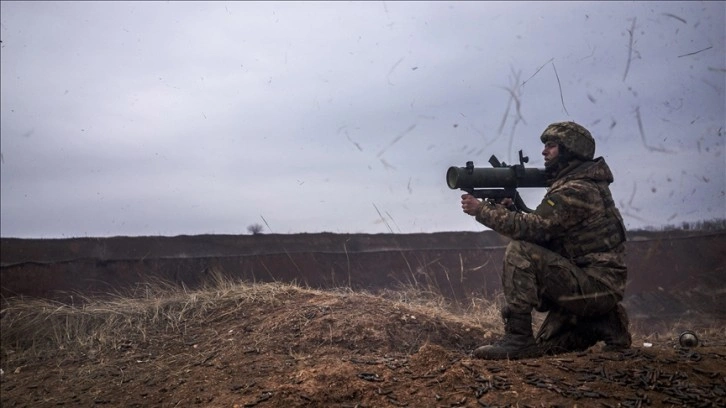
{"points": [[296, 347]]}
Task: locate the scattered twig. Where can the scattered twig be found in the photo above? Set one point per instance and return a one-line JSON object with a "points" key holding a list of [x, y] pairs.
{"points": [[514, 90], [642, 135], [514, 95], [504, 117], [632, 197], [264, 396], [589, 56], [517, 103], [694, 53], [630, 50], [386, 164], [393, 68], [394, 221], [268, 225], [461, 266], [352, 141], [675, 16], [383, 218], [396, 139], [535, 72], [562, 99]]}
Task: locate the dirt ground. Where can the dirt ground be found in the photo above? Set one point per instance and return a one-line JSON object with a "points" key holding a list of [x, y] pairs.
{"points": [[277, 345]]}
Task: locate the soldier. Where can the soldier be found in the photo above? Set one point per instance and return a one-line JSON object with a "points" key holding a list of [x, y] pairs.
{"points": [[566, 258]]}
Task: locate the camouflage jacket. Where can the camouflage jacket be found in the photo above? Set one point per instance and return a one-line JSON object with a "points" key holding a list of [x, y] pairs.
{"points": [[577, 219]]}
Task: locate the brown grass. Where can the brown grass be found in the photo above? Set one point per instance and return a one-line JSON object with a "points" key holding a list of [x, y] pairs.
{"points": [[42, 325], [397, 320], [160, 312], [278, 344]]}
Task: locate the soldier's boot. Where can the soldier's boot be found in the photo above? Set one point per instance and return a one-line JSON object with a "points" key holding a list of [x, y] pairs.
{"points": [[562, 333], [612, 329], [518, 341]]}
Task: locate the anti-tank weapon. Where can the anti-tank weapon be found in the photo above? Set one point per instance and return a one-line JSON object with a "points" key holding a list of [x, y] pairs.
{"points": [[497, 183]]}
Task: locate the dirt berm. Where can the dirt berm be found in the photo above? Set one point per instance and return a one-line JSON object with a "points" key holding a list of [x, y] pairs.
{"points": [[455, 264]]}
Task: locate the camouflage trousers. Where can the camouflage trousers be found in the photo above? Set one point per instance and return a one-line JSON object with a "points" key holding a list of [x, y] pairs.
{"points": [[535, 277]]}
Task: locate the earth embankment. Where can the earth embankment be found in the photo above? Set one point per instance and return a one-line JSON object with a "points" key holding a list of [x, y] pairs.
{"points": [[455, 264]]}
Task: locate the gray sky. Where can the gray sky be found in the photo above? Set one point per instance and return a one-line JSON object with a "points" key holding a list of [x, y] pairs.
{"points": [[170, 118]]}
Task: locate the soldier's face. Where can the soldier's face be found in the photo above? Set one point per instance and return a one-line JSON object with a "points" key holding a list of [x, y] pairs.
{"points": [[550, 152]]}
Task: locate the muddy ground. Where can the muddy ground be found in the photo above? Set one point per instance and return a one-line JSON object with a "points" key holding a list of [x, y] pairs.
{"points": [[279, 345]]}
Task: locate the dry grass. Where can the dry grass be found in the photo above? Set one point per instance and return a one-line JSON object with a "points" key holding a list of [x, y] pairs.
{"points": [[41, 325], [235, 343], [160, 311], [164, 313]]}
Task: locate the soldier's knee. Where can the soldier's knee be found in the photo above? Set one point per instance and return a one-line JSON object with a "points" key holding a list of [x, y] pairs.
{"points": [[515, 247], [523, 250], [517, 257]]}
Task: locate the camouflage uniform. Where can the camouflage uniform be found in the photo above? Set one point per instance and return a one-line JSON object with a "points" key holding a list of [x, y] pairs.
{"points": [[568, 256], [570, 250]]}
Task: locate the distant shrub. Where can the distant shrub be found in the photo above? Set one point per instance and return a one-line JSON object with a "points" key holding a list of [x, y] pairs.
{"points": [[255, 229], [703, 225]]}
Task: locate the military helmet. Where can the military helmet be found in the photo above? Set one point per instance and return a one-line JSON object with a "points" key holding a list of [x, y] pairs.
{"points": [[573, 137]]}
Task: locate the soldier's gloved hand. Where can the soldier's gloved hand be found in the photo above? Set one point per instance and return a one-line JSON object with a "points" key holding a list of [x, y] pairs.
{"points": [[470, 204], [509, 204]]}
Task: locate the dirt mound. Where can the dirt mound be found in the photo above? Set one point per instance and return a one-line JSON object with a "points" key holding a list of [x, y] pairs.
{"points": [[272, 345]]}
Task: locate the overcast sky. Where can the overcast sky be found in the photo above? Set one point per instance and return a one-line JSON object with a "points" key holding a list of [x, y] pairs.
{"points": [[184, 118]]}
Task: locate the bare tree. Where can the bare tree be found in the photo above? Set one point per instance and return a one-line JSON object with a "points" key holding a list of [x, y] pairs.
{"points": [[255, 229]]}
